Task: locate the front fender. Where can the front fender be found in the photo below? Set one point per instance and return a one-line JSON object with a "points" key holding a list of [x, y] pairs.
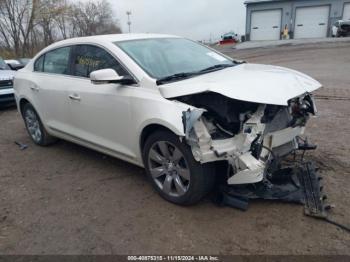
{"points": [[178, 130]]}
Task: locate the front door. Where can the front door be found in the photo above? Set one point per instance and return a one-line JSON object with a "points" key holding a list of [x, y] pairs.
{"points": [[99, 114]]}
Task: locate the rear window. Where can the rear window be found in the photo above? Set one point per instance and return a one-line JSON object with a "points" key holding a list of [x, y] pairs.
{"points": [[55, 61], [39, 64]]}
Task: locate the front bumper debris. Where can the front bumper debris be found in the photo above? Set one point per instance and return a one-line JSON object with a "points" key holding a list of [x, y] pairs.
{"points": [[258, 156], [299, 184], [255, 147]]}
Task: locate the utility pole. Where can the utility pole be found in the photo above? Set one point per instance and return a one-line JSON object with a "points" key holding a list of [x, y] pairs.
{"points": [[128, 13]]}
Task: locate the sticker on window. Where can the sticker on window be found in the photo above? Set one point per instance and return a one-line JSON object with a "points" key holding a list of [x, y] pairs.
{"points": [[88, 61], [216, 56]]}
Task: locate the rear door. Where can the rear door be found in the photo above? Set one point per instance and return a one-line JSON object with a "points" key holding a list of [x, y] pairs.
{"points": [[311, 22], [99, 114], [266, 25], [48, 88]]}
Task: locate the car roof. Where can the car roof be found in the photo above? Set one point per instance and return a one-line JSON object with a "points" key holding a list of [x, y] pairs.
{"points": [[110, 38], [11, 61], [103, 40]]}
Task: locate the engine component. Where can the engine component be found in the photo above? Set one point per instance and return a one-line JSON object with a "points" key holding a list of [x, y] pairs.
{"points": [[227, 113], [254, 136]]}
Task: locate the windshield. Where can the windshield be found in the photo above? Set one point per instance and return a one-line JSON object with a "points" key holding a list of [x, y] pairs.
{"points": [[3, 65], [163, 57]]}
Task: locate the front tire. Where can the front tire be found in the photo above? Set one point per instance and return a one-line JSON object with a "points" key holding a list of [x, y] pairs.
{"points": [[173, 171], [35, 128]]}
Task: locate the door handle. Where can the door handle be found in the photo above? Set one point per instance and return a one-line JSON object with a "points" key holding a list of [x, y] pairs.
{"points": [[74, 97], [255, 27], [300, 25], [34, 88]]}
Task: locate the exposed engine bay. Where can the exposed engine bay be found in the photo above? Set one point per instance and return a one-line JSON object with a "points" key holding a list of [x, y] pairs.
{"points": [[255, 140], [247, 135]]}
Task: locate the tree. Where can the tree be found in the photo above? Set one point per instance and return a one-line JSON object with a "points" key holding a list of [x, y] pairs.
{"points": [[93, 18], [16, 23], [28, 25]]}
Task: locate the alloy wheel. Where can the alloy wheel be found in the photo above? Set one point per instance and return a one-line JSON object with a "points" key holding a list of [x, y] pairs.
{"points": [[33, 125], [169, 168]]}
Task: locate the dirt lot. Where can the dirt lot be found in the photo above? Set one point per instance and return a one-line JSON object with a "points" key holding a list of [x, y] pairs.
{"points": [[66, 199]]}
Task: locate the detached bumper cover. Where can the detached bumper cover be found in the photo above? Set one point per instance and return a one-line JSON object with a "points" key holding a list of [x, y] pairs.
{"points": [[299, 184]]}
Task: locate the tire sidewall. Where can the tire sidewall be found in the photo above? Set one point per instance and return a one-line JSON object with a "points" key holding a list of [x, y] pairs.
{"points": [[43, 132]]}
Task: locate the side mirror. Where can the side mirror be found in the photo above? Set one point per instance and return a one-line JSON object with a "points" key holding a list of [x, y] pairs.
{"points": [[104, 76], [16, 67]]}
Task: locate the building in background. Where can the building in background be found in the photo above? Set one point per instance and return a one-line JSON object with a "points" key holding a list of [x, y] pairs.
{"points": [[268, 19]]}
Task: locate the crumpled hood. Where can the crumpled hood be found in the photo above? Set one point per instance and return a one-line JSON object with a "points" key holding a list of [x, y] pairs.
{"points": [[263, 84], [7, 74]]}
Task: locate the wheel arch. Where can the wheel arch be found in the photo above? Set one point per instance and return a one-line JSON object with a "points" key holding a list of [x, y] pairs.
{"points": [[150, 128], [21, 103]]}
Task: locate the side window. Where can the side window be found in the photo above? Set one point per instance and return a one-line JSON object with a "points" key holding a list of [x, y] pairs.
{"points": [[39, 64], [89, 58], [57, 61]]}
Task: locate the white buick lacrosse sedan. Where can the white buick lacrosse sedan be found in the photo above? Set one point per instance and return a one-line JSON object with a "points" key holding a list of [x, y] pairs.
{"points": [[168, 104]]}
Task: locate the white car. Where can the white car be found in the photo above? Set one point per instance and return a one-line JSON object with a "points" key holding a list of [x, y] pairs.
{"points": [[341, 28], [14, 64], [12, 61], [171, 105]]}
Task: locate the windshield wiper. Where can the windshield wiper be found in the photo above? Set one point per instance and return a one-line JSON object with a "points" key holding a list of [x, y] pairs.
{"points": [[181, 76], [177, 76], [216, 67]]}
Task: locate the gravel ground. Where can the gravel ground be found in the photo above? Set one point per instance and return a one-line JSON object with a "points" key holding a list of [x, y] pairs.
{"points": [[66, 199]]}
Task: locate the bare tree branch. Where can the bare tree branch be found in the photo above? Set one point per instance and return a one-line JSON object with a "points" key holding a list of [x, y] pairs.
{"points": [[26, 26]]}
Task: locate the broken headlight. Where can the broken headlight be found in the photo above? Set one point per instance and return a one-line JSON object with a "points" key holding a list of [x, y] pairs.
{"points": [[300, 110]]}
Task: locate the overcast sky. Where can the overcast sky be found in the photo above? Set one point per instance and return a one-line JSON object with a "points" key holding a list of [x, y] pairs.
{"points": [[195, 19]]}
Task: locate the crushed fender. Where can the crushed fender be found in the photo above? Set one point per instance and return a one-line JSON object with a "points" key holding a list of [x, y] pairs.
{"points": [[189, 117]]}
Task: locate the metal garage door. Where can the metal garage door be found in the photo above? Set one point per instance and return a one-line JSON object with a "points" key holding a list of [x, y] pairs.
{"points": [[346, 13], [266, 25], [311, 22]]}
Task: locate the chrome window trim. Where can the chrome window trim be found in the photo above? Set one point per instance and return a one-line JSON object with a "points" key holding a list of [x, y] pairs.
{"points": [[86, 78]]}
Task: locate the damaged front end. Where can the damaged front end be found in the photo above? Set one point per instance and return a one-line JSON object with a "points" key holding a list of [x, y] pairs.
{"points": [[258, 143]]}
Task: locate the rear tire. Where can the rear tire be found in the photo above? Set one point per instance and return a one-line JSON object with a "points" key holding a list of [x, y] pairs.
{"points": [[35, 128], [174, 172]]}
